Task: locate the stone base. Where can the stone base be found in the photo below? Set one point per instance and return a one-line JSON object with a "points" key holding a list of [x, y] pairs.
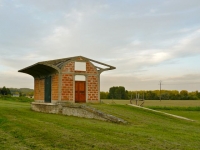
{"points": [[74, 109]]}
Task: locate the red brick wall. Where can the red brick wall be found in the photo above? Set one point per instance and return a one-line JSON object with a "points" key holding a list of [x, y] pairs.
{"points": [[90, 69], [67, 92], [92, 82], [67, 81], [39, 89], [92, 87], [54, 87], [67, 87], [69, 67]]}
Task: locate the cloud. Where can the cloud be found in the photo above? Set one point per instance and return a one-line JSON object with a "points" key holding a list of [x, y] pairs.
{"points": [[189, 82], [187, 77], [15, 80], [135, 36]]}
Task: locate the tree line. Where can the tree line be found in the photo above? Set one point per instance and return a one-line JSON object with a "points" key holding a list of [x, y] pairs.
{"points": [[16, 91], [5, 91], [22, 91], [119, 92]]}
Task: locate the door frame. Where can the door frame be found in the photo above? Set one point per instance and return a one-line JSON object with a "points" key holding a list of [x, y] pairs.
{"points": [[74, 87], [80, 101], [47, 98]]}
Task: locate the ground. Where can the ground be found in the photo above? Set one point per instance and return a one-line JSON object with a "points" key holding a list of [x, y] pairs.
{"points": [[183, 103], [21, 128]]}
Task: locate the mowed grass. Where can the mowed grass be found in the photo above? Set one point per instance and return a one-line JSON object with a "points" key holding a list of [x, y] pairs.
{"points": [[194, 115], [179, 103], [21, 128]]}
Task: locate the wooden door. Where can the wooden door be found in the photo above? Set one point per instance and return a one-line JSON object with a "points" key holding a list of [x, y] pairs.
{"points": [[47, 91], [80, 92]]}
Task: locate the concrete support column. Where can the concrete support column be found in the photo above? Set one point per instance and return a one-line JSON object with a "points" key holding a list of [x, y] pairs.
{"points": [[99, 99], [74, 87], [86, 93], [59, 86]]}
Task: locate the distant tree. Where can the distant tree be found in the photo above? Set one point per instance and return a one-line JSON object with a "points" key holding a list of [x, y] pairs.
{"points": [[150, 95], [165, 96], [184, 94], [30, 93], [126, 94], [120, 92], [130, 94], [5, 91], [20, 94], [198, 94], [192, 96], [174, 95], [8, 91], [15, 93], [111, 94], [117, 92], [103, 95], [24, 91]]}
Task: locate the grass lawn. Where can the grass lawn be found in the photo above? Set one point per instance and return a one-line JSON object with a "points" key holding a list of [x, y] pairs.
{"points": [[195, 115], [21, 128], [183, 103]]}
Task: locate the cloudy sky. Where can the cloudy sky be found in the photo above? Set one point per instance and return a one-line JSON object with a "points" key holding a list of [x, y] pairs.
{"points": [[147, 41]]}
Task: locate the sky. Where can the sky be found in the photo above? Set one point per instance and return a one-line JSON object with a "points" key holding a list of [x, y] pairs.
{"points": [[147, 41]]}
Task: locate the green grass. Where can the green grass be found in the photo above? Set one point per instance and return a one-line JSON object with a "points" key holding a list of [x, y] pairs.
{"points": [[16, 99], [194, 115], [175, 108], [21, 128], [178, 103]]}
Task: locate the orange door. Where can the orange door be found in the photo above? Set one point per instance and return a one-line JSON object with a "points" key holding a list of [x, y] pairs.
{"points": [[80, 92]]}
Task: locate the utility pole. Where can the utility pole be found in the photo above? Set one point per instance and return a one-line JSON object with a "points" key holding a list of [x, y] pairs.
{"points": [[160, 90]]}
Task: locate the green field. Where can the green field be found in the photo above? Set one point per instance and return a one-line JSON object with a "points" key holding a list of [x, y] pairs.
{"points": [[21, 128], [183, 103]]}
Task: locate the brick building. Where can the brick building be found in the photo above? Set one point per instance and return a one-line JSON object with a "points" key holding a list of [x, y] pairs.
{"points": [[74, 79]]}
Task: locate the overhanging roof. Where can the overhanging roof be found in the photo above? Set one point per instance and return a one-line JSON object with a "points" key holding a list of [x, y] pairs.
{"points": [[52, 66]]}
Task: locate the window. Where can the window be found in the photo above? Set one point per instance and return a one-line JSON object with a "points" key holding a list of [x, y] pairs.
{"points": [[80, 66], [79, 78]]}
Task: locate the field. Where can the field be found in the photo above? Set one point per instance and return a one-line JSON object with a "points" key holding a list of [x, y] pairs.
{"points": [[21, 128], [183, 103]]}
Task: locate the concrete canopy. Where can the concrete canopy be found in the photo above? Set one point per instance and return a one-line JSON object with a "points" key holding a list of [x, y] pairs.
{"points": [[38, 70], [44, 68]]}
